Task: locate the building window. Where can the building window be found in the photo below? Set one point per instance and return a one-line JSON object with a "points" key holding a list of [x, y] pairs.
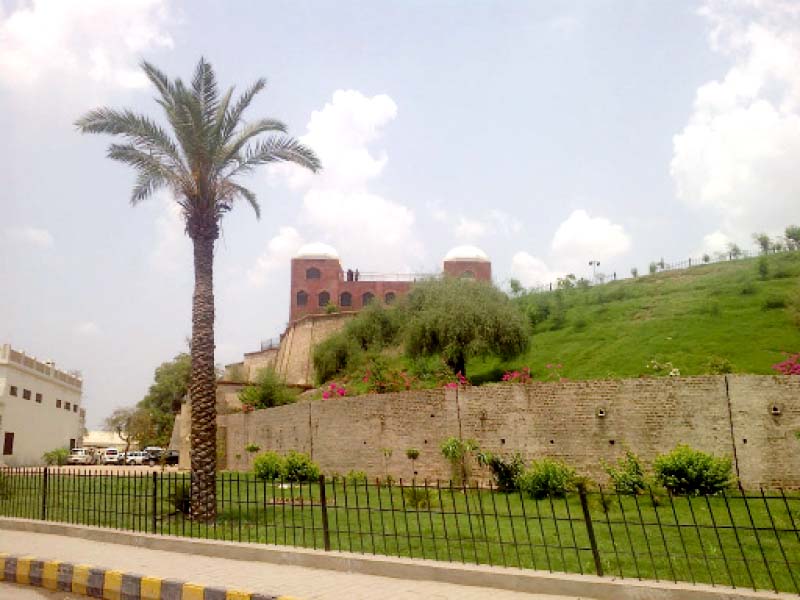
{"points": [[58, 403], [71, 443], [8, 443], [468, 275], [39, 398], [346, 299], [13, 390], [366, 298], [324, 298], [312, 273], [389, 297], [74, 408], [67, 406], [26, 394], [302, 298]]}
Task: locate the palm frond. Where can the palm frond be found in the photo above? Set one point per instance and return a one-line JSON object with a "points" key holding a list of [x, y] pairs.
{"points": [[278, 149], [148, 164], [146, 185], [234, 116], [247, 195], [158, 79], [204, 86], [231, 151]]}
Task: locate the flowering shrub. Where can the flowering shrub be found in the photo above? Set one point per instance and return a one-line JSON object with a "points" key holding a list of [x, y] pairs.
{"points": [[380, 378], [665, 368], [334, 390], [460, 380], [521, 376], [554, 372], [790, 366]]}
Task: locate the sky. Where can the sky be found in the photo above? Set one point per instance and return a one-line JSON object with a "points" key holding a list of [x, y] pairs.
{"points": [[549, 134]]}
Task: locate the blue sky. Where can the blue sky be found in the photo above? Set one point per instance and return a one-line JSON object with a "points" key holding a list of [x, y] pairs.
{"points": [[547, 133]]}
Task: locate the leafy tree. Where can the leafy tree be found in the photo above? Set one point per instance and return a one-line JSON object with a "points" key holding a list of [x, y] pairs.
{"points": [[163, 399], [763, 241], [131, 425], [268, 391], [734, 251], [200, 160], [792, 235], [459, 318], [517, 289]]}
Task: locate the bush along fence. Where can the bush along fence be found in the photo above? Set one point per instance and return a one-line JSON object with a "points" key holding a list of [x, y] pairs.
{"points": [[733, 538]]}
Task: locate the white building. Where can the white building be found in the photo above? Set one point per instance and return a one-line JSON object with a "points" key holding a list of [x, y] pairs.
{"points": [[39, 408]]}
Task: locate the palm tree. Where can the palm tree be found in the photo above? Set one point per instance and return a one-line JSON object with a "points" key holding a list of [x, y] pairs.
{"points": [[199, 161]]}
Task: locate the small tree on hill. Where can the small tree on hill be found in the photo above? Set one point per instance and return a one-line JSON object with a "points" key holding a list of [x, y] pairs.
{"points": [[458, 318], [763, 241], [130, 424], [792, 235]]}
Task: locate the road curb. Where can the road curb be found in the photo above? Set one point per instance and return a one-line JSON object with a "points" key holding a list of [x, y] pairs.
{"points": [[110, 584]]}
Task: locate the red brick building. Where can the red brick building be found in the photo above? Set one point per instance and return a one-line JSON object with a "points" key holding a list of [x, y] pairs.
{"points": [[318, 279]]}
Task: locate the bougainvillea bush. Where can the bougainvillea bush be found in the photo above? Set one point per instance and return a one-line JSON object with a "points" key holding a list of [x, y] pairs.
{"points": [[790, 366]]}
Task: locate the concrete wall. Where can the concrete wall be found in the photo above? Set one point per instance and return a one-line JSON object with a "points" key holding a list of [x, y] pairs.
{"points": [[559, 420], [49, 419]]}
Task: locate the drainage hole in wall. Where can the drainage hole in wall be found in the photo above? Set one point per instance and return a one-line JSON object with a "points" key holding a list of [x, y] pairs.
{"points": [[424, 441], [502, 441], [552, 441], [744, 440], [432, 416], [365, 443], [612, 442]]}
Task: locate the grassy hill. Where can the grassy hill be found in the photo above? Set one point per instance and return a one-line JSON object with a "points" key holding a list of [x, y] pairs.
{"points": [[691, 317]]}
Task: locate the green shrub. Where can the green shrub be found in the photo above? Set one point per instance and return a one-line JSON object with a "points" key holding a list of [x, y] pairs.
{"points": [[269, 466], [356, 477], [763, 267], [412, 454], [252, 447], [687, 471], [547, 477], [268, 391], [719, 366], [628, 474], [457, 451], [300, 467], [56, 457], [773, 302], [334, 355], [374, 328], [505, 472], [331, 309], [181, 498], [748, 288], [418, 497]]}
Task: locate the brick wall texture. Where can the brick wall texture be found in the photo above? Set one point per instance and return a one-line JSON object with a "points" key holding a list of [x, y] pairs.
{"points": [[727, 415]]}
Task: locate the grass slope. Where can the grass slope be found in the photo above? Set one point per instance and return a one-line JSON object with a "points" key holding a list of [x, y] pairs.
{"points": [[685, 317]]}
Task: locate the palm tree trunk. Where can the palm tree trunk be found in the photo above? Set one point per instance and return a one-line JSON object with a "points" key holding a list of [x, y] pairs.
{"points": [[203, 385]]}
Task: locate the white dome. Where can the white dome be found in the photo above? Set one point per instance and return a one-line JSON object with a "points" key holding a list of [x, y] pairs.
{"points": [[317, 250], [466, 253]]}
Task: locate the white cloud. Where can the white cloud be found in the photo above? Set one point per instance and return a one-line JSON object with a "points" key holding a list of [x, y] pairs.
{"points": [[172, 251], [35, 236], [532, 271], [94, 39], [737, 155], [582, 237], [492, 223], [87, 328], [368, 230], [276, 256], [470, 229], [715, 243]]}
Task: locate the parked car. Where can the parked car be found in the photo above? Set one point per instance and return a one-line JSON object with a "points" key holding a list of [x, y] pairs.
{"points": [[172, 457], [81, 456], [154, 453], [110, 456], [138, 457]]}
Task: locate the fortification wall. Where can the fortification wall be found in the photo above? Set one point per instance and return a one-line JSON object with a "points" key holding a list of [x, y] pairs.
{"points": [[725, 415]]}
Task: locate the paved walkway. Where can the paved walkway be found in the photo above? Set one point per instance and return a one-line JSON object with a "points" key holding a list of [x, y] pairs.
{"points": [[301, 582]]}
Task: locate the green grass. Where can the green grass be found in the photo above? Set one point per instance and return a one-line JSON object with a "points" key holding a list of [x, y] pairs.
{"points": [[685, 317], [728, 540]]}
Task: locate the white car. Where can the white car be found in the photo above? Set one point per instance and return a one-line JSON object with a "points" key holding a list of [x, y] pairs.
{"points": [[110, 456], [137, 458], [81, 456]]}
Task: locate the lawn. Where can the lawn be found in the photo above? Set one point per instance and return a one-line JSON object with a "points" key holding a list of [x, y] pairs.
{"points": [[751, 541]]}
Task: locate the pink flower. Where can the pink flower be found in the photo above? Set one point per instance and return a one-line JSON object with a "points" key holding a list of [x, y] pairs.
{"points": [[365, 379], [326, 394], [340, 391], [558, 366], [452, 385], [333, 386], [549, 365]]}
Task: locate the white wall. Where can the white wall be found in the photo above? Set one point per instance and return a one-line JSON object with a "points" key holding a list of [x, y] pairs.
{"points": [[37, 427]]}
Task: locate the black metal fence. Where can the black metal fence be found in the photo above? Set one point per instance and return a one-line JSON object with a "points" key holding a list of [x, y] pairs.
{"points": [[732, 539]]}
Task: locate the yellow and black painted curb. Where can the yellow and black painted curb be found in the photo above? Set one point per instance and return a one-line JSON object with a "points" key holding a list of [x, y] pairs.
{"points": [[109, 584]]}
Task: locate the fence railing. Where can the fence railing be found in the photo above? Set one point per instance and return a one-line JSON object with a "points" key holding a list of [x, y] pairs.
{"points": [[733, 539]]}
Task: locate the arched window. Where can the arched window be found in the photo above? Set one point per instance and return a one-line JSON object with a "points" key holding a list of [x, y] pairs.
{"points": [[366, 298], [389, 297], [468, 275], [312, 273], [324, 298], [346, 299], [302, 298]]}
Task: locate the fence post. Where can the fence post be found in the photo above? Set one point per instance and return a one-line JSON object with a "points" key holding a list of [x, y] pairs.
{"points": [[44, 494], [590, 530], [326, 534], [155, 500]]}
